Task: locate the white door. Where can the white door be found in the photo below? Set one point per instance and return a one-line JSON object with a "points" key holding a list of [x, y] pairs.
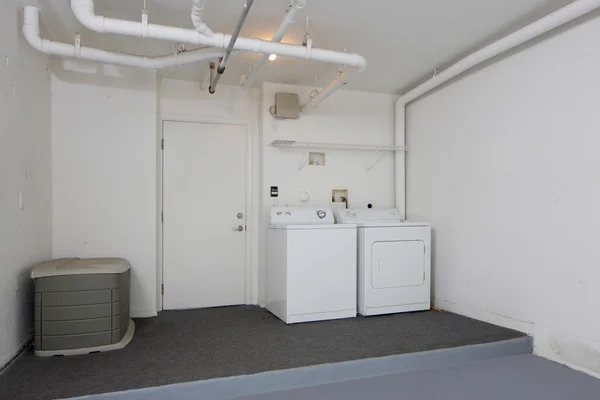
{"points": [[204, 206]]}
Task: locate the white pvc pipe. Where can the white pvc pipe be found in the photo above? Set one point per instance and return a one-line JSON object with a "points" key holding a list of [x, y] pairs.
{"points": [[288, 20], [31, 31], [84, 12], [334, 86], [186, 57], [199, 24], [558, 18]]}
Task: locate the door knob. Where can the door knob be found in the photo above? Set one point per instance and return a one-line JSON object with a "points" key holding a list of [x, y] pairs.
{"points": [[239, 228]]}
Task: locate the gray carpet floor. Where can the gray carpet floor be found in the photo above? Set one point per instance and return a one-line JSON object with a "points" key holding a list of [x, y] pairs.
{"points": [[524, 377], [183, 346]]}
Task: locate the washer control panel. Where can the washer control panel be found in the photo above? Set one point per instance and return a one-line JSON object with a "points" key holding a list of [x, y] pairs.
{"points": [[301, 215]]}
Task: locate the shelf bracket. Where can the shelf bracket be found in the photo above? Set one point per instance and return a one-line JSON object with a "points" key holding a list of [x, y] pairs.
{"points": [[304, 161], [377, 160]]}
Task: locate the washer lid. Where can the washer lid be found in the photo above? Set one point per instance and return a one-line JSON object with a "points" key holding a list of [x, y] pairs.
{"points": [[368, 216], [77, 266], [383, 224], [311, 226], [301, 216]]}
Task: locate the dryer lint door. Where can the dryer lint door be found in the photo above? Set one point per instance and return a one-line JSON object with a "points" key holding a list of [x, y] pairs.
{"points": [[398, 264]]}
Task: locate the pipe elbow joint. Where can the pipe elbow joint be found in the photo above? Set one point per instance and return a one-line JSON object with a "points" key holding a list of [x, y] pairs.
{"points": [[34, 41], [197, 20], [400, 104], [84, 12], [31, 29], [203, 28]]}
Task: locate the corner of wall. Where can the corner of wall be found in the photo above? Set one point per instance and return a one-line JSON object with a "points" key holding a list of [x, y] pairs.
{"points": [[575, 352], [105, 151], [25, 179]]}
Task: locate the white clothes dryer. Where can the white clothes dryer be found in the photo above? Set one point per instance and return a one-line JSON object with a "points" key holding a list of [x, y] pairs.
{"points": [[394, 261]]}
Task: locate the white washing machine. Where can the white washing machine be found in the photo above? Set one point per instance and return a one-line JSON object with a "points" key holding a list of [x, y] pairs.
{"points": [[394, 261], [311, 265]]}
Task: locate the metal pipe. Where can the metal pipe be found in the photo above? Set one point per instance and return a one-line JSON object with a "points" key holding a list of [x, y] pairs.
{"points": [[213, 70], [288, 20], [236, 33]]}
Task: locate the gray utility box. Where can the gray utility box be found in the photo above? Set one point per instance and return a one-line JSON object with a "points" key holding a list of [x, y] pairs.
{"points": [[81, 306]]}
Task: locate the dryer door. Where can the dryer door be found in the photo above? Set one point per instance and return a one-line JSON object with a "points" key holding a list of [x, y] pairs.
{"points": [[397, 264]]}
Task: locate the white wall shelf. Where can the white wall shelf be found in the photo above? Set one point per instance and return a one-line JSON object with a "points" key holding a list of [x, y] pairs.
{"points": [[292, 144]]}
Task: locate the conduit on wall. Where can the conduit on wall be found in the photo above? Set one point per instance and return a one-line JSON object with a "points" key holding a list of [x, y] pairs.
{"points": [[558, 18]]}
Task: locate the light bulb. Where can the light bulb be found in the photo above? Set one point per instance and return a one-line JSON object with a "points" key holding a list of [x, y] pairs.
{"points": [[272, 57]]}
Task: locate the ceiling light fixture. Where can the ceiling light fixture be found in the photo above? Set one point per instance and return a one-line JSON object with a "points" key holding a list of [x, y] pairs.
{"points": [[272, 57]]}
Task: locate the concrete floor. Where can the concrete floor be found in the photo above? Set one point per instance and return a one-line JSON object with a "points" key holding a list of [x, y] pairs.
{"points": [[523, 377]]}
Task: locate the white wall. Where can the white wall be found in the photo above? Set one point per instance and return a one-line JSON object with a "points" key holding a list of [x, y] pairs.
{"points": [[505, 165], [350, 117], [347, 118], [107, 167], [104, 151], [25, 235]]}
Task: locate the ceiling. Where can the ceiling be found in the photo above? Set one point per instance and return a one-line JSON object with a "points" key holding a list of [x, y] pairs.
{"points": [[402, 40]]}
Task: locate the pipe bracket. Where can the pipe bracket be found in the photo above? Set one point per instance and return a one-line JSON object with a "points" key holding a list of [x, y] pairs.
{"points": [[77, 46], [308, 48], [145, 32]]}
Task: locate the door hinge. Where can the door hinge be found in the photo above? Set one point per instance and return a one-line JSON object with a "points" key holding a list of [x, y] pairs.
{"points": [[162, 289], [162, 216], [162, 144]]}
